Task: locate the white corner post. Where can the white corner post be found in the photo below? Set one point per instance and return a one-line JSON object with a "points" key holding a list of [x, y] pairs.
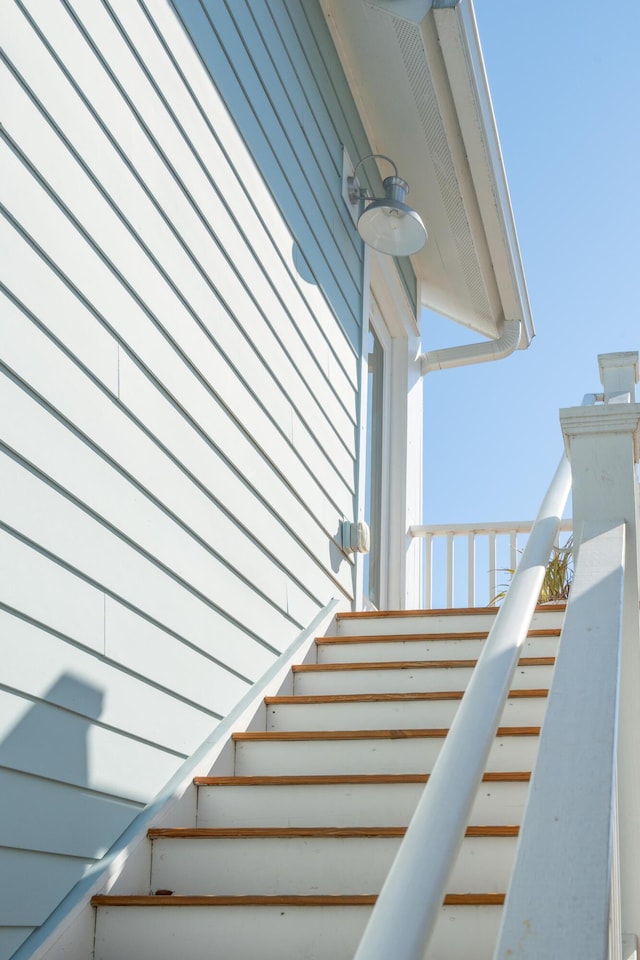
{"points": [[603, 444]]}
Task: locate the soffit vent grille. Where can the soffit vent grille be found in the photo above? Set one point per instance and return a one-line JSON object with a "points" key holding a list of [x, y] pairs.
{"points": [[413, 55]]}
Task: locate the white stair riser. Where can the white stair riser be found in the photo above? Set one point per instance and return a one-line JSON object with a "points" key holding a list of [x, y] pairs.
{"points": [[437, 623], [323, 757], [398, 650], [267, 866], [344, 805], [273, 933], [391, 715], [408, 680], [456, 623]]}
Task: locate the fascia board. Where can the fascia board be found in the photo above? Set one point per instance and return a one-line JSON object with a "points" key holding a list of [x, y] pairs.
{"points": [[462, 54]]}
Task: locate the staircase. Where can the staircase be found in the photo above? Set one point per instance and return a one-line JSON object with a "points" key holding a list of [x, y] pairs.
{"points": [[286, 857]]}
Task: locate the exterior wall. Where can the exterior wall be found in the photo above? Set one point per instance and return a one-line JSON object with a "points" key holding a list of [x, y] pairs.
{"points": [[181, 311]]}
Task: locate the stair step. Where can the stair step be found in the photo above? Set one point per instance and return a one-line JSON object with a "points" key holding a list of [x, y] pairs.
{"points": [[346, 800], [314, 860], [368, 751], [371, 711], [437, 621], [407, 676], [278, 900], [242, 928], [424, 646]]}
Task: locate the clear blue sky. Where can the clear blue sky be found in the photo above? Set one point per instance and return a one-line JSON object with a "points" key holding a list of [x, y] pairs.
{"points": [[565, 84]]}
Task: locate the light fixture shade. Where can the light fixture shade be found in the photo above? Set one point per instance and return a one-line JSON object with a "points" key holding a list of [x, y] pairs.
{"points": [[389, 225]]}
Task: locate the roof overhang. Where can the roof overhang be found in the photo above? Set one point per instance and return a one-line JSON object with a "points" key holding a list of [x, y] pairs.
{"points": [[416, 72]]}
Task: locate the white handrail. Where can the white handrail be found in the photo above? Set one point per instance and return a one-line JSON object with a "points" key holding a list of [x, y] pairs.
{"points": [[476, 592], [403, 918]]}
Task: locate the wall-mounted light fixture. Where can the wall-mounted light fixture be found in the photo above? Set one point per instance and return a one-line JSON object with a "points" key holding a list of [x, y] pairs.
{"points": [[387, 223]]}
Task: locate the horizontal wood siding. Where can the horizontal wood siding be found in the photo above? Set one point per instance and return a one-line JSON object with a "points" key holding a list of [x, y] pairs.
{"points": [[180, 307]]}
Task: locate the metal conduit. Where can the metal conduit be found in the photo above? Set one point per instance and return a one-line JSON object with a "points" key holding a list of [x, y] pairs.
{"points": [[404, 916]]}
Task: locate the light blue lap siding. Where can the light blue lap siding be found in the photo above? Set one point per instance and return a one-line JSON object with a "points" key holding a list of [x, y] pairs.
{"points": [[180, 330], [277, 97]]}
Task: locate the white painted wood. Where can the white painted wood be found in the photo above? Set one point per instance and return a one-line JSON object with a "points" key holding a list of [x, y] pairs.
{"points": [[238, 932], [349, 804], [481, 585], [385, 714], [413, 679], [471, 569], [428, 571], [450, 568], [603, 442], [450, 648], [311, 865], [567, 833], [330, 933], [415, 622], [391, 755]]}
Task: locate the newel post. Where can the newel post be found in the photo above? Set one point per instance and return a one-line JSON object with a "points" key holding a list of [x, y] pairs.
{"points": [[603, 445]]}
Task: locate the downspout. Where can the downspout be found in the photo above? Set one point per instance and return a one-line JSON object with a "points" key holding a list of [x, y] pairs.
{"points": [[473, 352]]}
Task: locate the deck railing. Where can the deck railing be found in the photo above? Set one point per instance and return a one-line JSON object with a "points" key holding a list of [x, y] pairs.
{"points": [[488, 551]]}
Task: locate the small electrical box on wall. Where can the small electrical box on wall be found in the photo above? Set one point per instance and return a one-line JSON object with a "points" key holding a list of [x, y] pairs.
{"points": [[356, 537]]}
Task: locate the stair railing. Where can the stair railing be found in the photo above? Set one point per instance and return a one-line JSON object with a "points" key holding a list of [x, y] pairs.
{"points": [[405, 913], [563, 898], [575, 885]]}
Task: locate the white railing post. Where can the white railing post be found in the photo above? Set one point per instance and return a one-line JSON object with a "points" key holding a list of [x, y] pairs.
{"points": [[559, 902], [604, 446]]}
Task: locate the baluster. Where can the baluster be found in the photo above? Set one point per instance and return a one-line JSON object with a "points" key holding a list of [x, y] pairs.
{"points": [[428, 572], [471, 569], [493, 563], [450, 551]]}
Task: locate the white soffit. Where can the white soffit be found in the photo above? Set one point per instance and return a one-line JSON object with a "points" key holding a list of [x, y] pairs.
{"points": [[416, 72]]}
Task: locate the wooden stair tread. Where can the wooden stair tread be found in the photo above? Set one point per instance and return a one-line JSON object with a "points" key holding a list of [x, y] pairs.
{"points": [[412, 637], [354, 900], [439, 612], [428, 733], [392, 697], [403, 614], [516, 776], [410, 665], [249, 833]]}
